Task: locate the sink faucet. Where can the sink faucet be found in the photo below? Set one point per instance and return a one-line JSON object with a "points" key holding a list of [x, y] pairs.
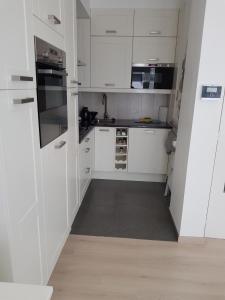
{"points": [[105, 103]]}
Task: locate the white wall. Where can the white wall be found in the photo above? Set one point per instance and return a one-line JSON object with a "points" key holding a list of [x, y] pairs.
{"points": [[199, 120], [135, 3], [125, 106]]}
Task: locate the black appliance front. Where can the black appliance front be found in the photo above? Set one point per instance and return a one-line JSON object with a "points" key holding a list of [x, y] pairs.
{"points": [[51, 91], [152, 77]]}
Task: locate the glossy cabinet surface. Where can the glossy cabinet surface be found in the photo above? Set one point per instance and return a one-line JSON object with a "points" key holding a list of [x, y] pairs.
{"points": [[112, 22], [111, 59], [105, 139], [156, 22], [147, 152], [17, 45]]}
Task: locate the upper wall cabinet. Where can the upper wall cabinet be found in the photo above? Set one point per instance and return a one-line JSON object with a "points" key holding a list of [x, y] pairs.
{"points": [[84, 52], [111, 59], [112, 22], [71, 42], [154, 50], [155, 22], [51, 12], [17, 45]]}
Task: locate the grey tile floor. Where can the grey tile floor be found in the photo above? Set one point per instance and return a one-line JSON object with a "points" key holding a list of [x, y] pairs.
{"points": [[125, 209]]}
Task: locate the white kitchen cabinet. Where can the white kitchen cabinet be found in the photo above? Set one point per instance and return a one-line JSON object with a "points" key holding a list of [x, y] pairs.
{"points": [[71, 42], [21, 215], [112, 22], [17, 45], [86, 158], [72, 158], [84, 52], [105, 141], [54, 178], [147, 152], [155, 22], [149, 50], [51, 12], [111, 62]]}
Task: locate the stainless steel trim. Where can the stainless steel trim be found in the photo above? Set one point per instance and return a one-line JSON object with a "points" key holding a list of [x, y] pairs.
{"points": [[75, 82], [87, 150], [21, 78], [153, 59], [54, 19], [23, 101], [111, 31], [74, 94], [52, 72], [110, 84], [155, 32], [60, 144], [104, 130], [51, 88], [158, 65]]}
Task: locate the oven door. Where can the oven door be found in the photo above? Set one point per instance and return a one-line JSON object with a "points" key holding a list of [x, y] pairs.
{"points": [[52, 104]]}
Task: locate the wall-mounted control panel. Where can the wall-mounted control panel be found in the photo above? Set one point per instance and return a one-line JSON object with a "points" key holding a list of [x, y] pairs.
{"points": [[211, 92]]}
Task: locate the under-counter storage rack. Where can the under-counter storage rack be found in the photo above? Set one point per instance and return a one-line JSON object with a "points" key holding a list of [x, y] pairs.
{"points": [[121, 153]]}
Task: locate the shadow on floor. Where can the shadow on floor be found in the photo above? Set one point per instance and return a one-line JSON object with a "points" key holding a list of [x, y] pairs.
{"points": [[125, 209]]}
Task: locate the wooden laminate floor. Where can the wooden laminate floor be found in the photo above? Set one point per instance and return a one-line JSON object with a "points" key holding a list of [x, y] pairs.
{"points": [[97, 268]]}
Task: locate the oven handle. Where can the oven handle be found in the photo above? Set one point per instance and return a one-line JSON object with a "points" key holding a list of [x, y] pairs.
{"points": [[52, 72]]}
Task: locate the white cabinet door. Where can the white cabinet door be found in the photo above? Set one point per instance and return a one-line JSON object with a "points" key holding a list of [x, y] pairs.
{"points": [[52, 13], [147, 152], [155, 22], [84, 52], [17, 45], [71, 42], [105, 149], [111, 62], [112, 22], [149, 50], [19, 154], [54, 178], [72, 158]]}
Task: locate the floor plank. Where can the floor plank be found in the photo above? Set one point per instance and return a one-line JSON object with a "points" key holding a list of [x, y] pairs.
{"points": [[113, 268]]}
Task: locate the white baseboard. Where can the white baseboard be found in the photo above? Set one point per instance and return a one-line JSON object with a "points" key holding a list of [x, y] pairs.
{"points": [[129, 176]]}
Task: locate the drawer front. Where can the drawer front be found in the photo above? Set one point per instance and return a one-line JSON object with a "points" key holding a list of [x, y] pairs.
{"points": [[112, 22], [156, 22], [154, 50]]}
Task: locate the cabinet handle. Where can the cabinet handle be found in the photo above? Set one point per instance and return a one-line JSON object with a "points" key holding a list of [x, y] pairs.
{"points": [[155, 32], [74, 94], [153, 59], [21, 78], [111, 31], [60, 145], [150, 131], [54, 19], [81, 63], [104, 130], [23, 101], [87, 140], [110, 84], [87, 150], [88, 170], [75, 82]]}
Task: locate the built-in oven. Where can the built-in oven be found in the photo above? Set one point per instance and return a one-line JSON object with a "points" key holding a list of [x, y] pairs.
{"points": [[152, 76], [51, 91]]}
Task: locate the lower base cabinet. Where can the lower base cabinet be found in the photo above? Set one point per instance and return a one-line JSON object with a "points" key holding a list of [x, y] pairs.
{"points": [[86, 157], [54, 177], [147, 151]]}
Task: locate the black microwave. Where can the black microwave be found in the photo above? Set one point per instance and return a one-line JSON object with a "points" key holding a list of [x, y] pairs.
{"points": [[153, 76]]}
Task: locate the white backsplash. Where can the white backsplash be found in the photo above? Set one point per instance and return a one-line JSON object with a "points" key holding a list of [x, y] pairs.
{"points": [[125, 106]]}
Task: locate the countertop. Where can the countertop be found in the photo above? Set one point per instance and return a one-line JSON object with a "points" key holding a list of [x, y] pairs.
{"points": [[122, 123]]}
